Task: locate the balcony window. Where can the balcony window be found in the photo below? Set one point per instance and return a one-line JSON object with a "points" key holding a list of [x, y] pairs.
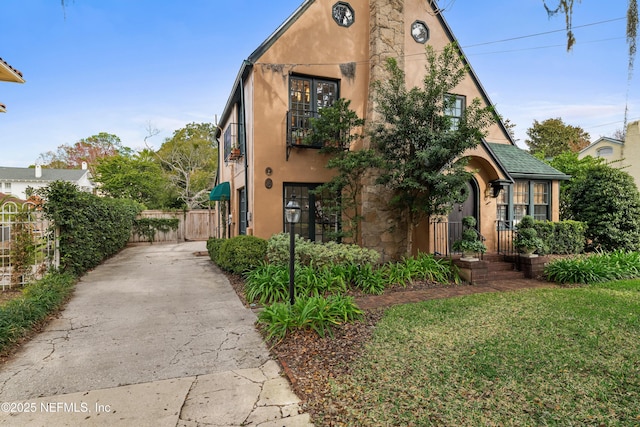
{"points": [[307, 97], [232, 139]]}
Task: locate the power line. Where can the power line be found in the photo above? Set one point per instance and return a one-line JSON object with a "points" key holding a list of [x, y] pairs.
{"points": [[544, 33]]}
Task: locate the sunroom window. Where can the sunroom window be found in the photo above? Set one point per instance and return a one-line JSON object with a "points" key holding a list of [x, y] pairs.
{"points": [[524, 198]]}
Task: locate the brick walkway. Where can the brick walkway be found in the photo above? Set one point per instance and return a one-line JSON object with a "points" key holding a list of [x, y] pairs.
{"points": [[404, 297]]}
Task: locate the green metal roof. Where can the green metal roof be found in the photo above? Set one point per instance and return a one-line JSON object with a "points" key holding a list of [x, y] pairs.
{"points": [[521, 164]]}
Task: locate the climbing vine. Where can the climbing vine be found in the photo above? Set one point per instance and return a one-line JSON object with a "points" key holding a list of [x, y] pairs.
{"points": [[148, 227]]}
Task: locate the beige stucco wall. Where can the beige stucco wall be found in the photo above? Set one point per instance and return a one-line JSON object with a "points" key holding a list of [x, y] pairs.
{"points": [[315, 46], [631, 151], [616, 155]]}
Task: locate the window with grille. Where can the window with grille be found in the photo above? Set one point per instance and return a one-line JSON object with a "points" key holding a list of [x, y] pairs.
{"points": [[454, 108], [307, 97]]}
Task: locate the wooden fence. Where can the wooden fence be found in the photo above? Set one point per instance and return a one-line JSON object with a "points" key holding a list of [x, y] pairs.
{"points": [[194, 225]]}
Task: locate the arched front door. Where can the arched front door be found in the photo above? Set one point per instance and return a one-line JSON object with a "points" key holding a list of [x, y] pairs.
{"points": [[468, 208]]}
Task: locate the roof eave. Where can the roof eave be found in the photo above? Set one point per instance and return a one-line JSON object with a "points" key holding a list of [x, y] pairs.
{"points": [[9, 74], [247, 64], [472, 73], [495, 158], [524, 175]]}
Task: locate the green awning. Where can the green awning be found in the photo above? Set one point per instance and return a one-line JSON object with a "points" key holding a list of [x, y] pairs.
{"points": [[220, 192]]}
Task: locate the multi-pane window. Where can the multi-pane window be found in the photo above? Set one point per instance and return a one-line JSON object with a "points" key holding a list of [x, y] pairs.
{"points": [[503, 206], [541, 201], [317, 221], [454, 108], [7, 188], [307, 97], [524, 198], [520, 200]]}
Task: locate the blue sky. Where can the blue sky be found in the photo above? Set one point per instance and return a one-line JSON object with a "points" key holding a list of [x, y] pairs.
{"points": [[120, 66]]}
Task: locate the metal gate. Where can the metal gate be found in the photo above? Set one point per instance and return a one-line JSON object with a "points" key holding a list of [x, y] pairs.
{"points": [[27, 244]]}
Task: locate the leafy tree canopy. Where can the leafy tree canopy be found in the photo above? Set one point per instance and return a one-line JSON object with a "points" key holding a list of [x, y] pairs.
{"points": [[190, 159], [90, 150], [420, 145], [569, 163], [552, 137], [138, 177], [607, 200]]}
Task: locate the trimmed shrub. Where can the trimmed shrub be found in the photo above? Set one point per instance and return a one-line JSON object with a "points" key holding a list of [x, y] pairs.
{"points": [[569, 237], [241, 253], [91, 228], [318, 254], [213, 247], [564, 237]]}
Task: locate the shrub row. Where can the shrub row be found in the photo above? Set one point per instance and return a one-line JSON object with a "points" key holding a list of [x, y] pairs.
{"points": [[596, 268], [91, 228], [269, 283], [39, 299], [564, 237], [318, 254], [239, 254]]}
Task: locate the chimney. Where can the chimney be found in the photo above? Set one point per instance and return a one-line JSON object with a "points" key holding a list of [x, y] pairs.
{"points": [[38, 171], [84, 166]]}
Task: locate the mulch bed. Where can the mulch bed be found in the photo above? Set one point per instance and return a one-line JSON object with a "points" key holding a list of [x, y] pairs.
{"points": [[310, 361]]}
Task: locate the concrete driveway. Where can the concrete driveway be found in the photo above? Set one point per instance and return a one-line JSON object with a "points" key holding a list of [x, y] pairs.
{"points": [[154, 336]]}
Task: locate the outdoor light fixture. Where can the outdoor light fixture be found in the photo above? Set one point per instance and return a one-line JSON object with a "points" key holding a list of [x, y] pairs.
{"points": [[292, 214]]}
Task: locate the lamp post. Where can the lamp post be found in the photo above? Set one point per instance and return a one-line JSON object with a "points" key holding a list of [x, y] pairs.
{"points": [[292, 214]]}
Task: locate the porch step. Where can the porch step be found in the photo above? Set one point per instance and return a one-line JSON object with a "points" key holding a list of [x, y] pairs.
{"points": [[500, 269], [504, 275]]}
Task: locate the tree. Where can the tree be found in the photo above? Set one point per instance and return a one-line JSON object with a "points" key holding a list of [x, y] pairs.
{"points": [[421, 146], [138, 177], [569, 163], [88, 150], [553, 137], [607, 200], [190, 160], [334, 130]]}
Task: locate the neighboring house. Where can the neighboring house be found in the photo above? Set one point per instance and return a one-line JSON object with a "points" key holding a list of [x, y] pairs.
{"points": [[607, 148], [331, 49], [622, 154], [16, 181], [8, 74]]}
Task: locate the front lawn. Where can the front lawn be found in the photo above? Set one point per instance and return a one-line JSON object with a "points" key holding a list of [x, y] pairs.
{"points": [[545, 357]]}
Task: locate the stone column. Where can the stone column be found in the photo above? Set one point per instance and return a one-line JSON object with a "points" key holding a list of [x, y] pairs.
{"points": [[383, 229]]}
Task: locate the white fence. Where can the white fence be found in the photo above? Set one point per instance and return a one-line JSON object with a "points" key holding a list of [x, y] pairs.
{"points": [[193, 225], [27, 246]]}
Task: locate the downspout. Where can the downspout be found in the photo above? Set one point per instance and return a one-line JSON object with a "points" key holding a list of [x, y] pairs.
{"points": [[246, 151]]}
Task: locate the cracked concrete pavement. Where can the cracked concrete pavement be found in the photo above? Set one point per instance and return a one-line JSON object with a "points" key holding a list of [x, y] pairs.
{"points": [[154, 336]]}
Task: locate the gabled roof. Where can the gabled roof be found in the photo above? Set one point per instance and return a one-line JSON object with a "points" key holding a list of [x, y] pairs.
{"points": [[522, 165], [264, 46], [601, 140], [48, 175]]}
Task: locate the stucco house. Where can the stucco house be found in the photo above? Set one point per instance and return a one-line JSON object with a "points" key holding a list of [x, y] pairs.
{"points": [[621, 154], [16, 181], [8, 74], [330, 49]]}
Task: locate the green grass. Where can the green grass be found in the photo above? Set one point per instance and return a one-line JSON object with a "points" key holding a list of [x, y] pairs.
{"points": [[558, 357]]}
